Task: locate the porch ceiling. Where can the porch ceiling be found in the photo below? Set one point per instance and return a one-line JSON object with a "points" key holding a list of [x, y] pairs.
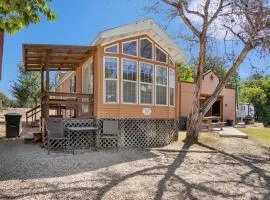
{"points": [[58, 57]]}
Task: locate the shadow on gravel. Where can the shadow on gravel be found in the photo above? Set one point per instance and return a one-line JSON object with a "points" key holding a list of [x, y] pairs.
{"points": [[29, 161], [167, 174]]}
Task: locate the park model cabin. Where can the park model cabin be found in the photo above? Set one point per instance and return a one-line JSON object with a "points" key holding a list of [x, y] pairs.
{"points": [[128, 74]]}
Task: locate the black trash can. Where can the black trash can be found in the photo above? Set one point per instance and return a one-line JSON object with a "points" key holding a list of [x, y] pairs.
{"points": [[13, 125], [229, 122]]}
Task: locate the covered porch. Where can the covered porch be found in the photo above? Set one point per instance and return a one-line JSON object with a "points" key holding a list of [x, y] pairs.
{"points": [[46, 59]]}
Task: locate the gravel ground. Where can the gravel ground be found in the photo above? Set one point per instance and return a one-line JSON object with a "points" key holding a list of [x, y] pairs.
{"points": [[240, 171]]}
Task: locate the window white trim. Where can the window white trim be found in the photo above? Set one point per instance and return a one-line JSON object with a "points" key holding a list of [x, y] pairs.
{"points": [[156, 46], [122, 82], [105, 47], [152, 84], [171, 87], [104, 81], [137, 48], [153, 49], [156, 84]]}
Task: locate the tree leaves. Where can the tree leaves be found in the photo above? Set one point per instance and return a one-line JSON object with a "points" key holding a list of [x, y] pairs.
{"points": [[17, 14], [26, 89]]}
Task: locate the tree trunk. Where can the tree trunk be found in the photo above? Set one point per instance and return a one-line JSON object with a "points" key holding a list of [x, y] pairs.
{"points": [[196, 114], [2, 33]]}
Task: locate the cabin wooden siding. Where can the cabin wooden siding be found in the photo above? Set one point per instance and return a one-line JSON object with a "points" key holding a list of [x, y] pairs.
{"points": [[121, 110]]}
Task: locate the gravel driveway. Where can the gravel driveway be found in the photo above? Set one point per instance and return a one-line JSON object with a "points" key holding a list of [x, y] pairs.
{"points": [[27, 172]]}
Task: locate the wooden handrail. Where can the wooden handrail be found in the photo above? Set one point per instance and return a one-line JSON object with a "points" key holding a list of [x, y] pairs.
{"points": [[32, 109]]}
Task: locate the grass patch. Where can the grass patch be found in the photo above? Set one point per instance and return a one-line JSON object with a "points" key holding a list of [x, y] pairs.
{"points": [[260, 135]]}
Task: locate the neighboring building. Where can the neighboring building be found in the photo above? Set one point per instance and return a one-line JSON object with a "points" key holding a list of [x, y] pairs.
{"points": [[223, 107], [243, 110]]}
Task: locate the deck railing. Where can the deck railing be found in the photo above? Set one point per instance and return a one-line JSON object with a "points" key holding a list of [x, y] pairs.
{"points": [[80, 104]]}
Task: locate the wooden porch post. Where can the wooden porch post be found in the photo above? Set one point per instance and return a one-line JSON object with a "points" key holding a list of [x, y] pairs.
{"points": [[41, 99], [47, 89]]}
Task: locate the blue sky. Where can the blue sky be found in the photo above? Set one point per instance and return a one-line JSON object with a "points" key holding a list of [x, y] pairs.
{"points": [[78, 23]]}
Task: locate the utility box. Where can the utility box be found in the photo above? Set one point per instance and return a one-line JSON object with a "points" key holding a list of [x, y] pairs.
{"points": [[13, 125]]}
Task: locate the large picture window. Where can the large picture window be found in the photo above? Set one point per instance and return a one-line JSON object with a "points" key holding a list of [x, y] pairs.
{"points": [[129, 87], [111, 79], [112, 49], [161, 85], [146, 83], [172, 86], [130, 48], [160, 55], [146, 49]]}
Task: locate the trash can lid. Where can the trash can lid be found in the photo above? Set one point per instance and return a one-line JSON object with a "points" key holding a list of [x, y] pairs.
{"points": [[13, 114]]}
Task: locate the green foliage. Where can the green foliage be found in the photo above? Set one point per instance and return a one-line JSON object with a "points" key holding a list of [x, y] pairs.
{"points": [[5, 100], [256, 90], [218, 66], [185, 72], [26, 89], [17, 14], [254, 95]]}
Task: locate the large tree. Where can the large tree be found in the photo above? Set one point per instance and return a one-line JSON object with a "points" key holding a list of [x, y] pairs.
{"points": [[17, 14], [246, 21], [27, 88]]}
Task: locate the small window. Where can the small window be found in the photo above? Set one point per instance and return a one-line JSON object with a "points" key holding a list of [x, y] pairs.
{"points": [[72, 84], [161, 85], [146, 49], [130, 48], [111, 79], [172, 86], [146, 83], [160, 55], [129, 81], [112, 49]]}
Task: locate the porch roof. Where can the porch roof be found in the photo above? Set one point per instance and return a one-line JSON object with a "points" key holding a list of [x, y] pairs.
{"points": [[58, 57]]}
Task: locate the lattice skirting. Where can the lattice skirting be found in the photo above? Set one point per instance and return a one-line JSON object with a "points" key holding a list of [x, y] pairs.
{"points": [[133, 132], [144, 132]]}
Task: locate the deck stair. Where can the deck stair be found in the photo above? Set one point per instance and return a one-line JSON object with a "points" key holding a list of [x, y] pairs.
{"points": [[35, 137], [33, 116]]}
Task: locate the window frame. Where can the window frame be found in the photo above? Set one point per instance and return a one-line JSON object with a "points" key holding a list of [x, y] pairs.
{"points": [[137, 48], [173, 88], [122, 82], [152, 84], [117, 44], [173, 63], [156, 84], [157, 46], [104, 81], [153, 49]]}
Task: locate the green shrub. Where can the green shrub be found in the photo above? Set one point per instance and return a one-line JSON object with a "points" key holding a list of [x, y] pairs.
{"points": [[266, 117]]}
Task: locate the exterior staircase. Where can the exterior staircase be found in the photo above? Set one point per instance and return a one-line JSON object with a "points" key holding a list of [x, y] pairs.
{"points": [[33, 117]]}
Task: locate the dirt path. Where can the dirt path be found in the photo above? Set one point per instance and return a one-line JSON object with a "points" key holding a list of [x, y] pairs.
{"points": [[242, 171]]}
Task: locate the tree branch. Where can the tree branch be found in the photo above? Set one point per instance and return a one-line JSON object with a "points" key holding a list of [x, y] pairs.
{"points": [[179, 7], [219, 9], [210, 101]]}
